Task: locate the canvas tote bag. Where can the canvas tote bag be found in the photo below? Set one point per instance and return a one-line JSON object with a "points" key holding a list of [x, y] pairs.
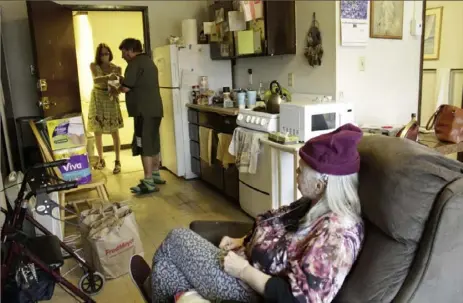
{"points": [[114, 239]]}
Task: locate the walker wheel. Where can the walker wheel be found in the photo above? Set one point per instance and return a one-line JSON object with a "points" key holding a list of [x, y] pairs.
{"points": [[91, 288]]}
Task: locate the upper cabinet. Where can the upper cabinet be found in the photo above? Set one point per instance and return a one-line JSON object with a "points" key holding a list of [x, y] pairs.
{"points": [[272, 34]]}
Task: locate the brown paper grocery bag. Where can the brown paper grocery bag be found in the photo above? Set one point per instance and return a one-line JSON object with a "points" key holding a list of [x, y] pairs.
{"points": [[90, 217], [114, 240]]}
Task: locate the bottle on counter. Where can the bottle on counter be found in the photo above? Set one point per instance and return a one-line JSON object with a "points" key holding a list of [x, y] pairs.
{"points": [[203, 85], [193, 97], [260, 92], [227, 101]]}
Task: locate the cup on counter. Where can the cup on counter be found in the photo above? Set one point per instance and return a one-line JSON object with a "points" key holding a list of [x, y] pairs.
{"points": [[241, 100], [251, 100]]}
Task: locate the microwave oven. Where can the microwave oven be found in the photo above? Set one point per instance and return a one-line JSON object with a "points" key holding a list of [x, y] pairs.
{"points": [[310, 119]]}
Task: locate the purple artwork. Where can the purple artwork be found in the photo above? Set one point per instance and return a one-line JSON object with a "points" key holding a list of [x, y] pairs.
{"points": [[354, 9]]}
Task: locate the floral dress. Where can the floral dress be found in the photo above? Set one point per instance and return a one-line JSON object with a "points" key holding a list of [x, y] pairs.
{"points": [[104, 115], [314, 259]]}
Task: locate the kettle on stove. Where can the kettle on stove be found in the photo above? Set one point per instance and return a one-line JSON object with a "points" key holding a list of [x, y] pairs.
{"points": [[276, 98]]}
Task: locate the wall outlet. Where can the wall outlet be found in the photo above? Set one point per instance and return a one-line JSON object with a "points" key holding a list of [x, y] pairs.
{"points": [[291, 80], [361, 64]]}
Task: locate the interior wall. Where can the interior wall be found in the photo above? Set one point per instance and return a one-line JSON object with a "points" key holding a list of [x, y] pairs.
{"points": [[450, 60], [318, 80], [386, 92]]}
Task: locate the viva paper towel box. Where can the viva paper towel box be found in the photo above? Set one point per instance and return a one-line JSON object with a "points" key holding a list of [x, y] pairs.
{"points": [[78, 167]]}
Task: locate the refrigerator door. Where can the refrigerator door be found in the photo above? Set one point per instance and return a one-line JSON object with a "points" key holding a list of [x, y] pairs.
{"points": [[166, 60], [172, 146]]}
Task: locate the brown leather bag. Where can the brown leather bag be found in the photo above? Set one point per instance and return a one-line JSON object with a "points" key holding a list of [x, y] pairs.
{"points": [[448, 123], [411, 130]]}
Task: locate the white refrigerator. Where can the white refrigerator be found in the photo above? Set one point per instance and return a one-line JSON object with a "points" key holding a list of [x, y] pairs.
{"points": [[179, 69]]}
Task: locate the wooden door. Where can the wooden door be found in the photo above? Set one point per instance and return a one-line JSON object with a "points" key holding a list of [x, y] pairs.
{"points": [[55, 62]]}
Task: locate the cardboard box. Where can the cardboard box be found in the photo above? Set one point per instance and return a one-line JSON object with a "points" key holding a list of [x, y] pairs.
{"points": [[78, 168], [67, 132]]}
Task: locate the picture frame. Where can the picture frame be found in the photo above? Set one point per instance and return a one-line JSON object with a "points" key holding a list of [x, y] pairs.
{"points": [[386, 19], [432, 33]]}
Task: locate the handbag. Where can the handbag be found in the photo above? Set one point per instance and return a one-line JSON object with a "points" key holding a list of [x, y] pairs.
{"points": [[411, 130], [448, 123]]}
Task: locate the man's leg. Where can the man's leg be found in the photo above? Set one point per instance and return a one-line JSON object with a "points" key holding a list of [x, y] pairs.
{"points": [[143, 146], [147, 163], [157, 151]]}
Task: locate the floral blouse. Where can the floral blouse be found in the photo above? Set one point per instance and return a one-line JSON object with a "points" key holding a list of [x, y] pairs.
{"points": [[314, 260]]}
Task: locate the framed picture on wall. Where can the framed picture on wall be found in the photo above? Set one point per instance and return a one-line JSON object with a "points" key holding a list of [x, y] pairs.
{"points": [[432, 33], [386, 19]]}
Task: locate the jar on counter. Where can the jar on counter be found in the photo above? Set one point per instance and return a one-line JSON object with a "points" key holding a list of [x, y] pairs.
{"points": [[203, 85]]}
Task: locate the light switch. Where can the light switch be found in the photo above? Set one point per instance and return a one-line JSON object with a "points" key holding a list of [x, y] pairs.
{"points": [[291, 80], [361, 64]]}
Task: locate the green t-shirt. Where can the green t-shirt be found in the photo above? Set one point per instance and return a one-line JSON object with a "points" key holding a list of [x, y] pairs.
{"points": [[144, 98]]}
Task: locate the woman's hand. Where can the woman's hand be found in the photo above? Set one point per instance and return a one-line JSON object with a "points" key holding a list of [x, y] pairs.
{"points": [[113, 76], [228, 243], [234, 265]]}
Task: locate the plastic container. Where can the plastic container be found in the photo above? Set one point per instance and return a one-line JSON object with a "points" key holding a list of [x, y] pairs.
{"points": [[251, 100]]}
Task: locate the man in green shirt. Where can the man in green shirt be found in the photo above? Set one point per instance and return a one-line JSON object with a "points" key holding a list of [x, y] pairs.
{"points": [[144, 104]]}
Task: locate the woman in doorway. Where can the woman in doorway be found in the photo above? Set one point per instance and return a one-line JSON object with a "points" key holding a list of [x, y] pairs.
{"points": [[104, 116]]}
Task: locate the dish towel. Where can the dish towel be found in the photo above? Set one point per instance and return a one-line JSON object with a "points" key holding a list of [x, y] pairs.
{"points": [[223, 155], [245, 146], [205, 144]]}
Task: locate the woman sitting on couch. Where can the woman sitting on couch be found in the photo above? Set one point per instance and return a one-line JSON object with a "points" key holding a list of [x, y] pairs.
{"points": [[298, 253]]}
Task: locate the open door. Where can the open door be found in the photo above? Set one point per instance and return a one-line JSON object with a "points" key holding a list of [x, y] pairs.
{"points": [[55, 62]]}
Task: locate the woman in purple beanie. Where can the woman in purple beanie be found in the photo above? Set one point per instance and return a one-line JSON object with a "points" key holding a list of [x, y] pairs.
{"points": [[297, 253]]}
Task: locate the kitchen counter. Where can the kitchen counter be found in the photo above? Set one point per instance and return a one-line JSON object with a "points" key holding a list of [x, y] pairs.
{"points": [[215, 109]]}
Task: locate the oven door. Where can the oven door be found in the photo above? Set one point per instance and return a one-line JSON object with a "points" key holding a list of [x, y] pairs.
{"points": [[255, 188]]}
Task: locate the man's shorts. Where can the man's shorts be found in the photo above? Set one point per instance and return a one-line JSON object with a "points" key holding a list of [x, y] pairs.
{"points": [[146, 141]]}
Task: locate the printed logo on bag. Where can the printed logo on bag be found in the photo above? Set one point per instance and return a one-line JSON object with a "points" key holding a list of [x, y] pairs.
{"points": [[118, 248]]}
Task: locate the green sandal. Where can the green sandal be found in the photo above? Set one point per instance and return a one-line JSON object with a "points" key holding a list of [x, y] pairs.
{"points": [[145, 187], [157, 178]]}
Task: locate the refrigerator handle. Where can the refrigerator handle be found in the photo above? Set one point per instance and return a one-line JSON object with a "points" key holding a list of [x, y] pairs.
{"points": [[176, 76]]}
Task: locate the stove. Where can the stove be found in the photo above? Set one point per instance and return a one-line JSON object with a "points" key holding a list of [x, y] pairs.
{"points": [[260, 121]]}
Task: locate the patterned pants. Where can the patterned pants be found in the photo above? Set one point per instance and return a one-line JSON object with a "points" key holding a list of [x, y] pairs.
{"points": [[185, 261]]}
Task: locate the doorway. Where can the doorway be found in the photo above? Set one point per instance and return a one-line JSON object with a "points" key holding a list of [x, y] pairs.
{"points": [[110, 27], [442, 57]]}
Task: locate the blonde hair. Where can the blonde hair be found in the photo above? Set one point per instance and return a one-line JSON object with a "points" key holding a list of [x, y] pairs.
{"points": [[340, 196]]}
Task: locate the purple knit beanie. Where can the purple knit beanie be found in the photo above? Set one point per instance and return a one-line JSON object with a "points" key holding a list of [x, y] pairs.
{"points": [[334, 153]]}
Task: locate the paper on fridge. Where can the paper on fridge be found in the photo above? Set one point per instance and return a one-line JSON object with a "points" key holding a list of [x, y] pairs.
{"points": [[207, 26], [236, 21], [252, 9]]}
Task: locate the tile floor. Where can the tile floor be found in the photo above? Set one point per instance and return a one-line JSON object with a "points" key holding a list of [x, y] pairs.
{"points": [[177, 204]]}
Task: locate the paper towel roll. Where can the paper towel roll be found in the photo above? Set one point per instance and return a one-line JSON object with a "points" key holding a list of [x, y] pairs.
{"points": [[190, 31]]}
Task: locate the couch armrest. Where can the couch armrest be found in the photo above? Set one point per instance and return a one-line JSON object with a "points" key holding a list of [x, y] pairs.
{"points": [[214, 231], [437, 271]]}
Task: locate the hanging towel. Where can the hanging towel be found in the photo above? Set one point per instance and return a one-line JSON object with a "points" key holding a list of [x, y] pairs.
{"points": [[205, 144], [223, 155], [245, 147]]}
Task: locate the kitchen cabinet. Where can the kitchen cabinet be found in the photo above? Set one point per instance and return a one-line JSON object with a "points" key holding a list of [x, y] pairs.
{"points": [[223, 179], [278, 27]]}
